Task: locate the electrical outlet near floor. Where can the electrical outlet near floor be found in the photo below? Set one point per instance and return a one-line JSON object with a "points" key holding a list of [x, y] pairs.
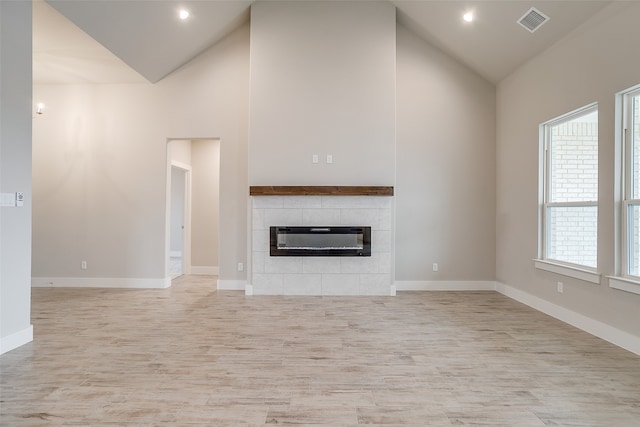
{"points": [[435, 266], [560, 287], [240, 266]]}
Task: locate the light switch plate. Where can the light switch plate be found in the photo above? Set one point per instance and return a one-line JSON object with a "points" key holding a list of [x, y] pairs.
{"points": [[8, 200]]}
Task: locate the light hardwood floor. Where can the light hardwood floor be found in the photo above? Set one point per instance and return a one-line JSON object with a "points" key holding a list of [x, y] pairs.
{"points": [[189, 355]]}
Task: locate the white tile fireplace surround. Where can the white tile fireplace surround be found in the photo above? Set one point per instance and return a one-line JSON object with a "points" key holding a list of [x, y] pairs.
{"points": [[325, 275]]}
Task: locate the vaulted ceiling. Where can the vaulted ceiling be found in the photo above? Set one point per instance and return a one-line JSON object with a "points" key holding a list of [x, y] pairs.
{"points": [[107, 41]]}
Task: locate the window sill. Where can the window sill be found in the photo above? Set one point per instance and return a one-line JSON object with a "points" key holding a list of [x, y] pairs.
{"points": [[566, 270], [625, 284]]}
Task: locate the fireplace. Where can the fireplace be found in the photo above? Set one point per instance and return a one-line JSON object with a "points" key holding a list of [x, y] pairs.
{"points": [[364, 216], [320, 241]]}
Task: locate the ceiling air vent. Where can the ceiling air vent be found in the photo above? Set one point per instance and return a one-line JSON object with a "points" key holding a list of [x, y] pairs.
{"points": [[533, 19]]}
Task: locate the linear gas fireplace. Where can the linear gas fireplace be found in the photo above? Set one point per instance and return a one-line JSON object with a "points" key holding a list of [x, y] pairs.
{"points": [[320, 241], [320, 259]]}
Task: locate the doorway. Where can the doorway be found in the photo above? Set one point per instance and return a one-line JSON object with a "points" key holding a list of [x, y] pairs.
{"points": [[193, 176]]}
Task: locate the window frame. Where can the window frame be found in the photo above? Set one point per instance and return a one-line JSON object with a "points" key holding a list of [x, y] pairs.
{"points": [[544, 262], [627, 200]]}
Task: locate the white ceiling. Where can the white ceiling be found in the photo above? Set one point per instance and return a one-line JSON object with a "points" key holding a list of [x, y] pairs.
{"points": [[146, 35]]}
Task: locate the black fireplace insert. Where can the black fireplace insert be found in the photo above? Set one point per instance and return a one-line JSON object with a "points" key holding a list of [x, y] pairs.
{"points": [[320, 241]]}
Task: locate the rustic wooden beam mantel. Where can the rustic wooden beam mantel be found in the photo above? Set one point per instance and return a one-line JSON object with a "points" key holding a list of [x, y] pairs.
{"points": [[305, 190]]}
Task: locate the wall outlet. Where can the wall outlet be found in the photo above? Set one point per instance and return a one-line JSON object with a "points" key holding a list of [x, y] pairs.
{"points": [[435, 266], [560, 287], [240, 266], [314, 158], [329, 158], [83, 265]]}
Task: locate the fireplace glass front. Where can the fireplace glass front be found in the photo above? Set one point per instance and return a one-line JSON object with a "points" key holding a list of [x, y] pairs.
{"points": [[320, 241]]}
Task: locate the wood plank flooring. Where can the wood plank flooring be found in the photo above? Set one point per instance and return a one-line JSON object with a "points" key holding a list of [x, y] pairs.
{"points": [[190, 355]]}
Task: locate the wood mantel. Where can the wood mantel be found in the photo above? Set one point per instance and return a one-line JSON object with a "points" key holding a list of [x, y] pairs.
{"points": [[305, 190]]}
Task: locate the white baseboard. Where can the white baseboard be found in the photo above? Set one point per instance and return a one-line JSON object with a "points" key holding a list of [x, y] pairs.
{"points": [[100, 282], [205, 271], [16, 339], [601, 330], [231, 285], [248, 290], [444, 285]]}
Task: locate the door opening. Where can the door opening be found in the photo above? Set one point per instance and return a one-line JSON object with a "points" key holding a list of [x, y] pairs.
{"points": [[192, 210]]}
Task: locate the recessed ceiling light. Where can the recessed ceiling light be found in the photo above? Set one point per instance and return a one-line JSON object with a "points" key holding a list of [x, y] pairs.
{"points": [[468, 16], [183, 14]]}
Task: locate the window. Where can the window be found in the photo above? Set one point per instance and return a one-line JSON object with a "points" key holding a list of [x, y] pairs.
{"points": [[631, 183], [569, 208]]}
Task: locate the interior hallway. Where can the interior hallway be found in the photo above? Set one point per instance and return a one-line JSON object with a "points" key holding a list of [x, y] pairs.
{"points": [[190, 355]]}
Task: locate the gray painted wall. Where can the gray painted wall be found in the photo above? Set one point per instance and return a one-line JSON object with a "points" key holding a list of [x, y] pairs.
{"points": [[205, 206], [322, 82], [592, 64], [445, 203], [100, 166], [15, 173], [445, 189]]}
